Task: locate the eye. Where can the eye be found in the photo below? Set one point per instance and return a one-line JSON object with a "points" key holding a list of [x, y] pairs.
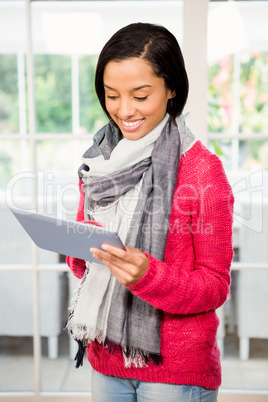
{"points": [[141, 99], [112, 97]]}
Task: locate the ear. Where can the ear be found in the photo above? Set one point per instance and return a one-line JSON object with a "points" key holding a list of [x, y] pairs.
{"points": [[172, 95]]}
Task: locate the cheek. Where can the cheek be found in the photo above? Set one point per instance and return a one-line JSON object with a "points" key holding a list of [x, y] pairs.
{"points": [[110, 106], [154, 108]]}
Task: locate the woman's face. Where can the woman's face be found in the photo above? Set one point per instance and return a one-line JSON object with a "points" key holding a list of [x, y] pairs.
{"points": [[135, 97]]}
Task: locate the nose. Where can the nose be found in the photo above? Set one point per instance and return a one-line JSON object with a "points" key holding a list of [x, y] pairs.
{"points": [[126, 109]]}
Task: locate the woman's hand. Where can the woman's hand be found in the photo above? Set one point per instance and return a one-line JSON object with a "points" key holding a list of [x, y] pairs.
{"points": [[128, 266]]}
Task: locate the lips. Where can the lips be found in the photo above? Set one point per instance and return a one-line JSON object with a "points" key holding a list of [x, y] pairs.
{"points": [[131, 125]]}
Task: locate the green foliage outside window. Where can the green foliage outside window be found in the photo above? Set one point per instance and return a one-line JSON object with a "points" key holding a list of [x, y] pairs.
{"points": [[53, 93], [53, 78], [220, 101], [92, 117], [254, 93], [253, 106], [53, 97], [9, 111]]}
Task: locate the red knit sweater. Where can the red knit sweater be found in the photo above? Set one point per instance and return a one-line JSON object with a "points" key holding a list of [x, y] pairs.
{"points": [[190, 284]]}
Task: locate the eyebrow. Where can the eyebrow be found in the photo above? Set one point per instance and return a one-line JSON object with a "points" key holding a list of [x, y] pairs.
{"points": [[134, 89]]}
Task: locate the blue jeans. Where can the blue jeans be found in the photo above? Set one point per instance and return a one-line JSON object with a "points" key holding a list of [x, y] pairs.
{"points": [[114, 389]]}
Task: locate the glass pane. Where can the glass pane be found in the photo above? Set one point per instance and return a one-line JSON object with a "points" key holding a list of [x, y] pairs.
{"points": [[12, 67], [61, 155], [220, 98], [15, 190], [53, 93], [222, 148], [57, 175], [247, 155], [254, 92], [253, 154], [9, 110], [15, 167], [92, 117], [58, 350], [16, 331], [16, 245]]}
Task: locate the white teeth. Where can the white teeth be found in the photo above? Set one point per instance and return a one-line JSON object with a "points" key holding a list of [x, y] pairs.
{"points": [[131, 123]]}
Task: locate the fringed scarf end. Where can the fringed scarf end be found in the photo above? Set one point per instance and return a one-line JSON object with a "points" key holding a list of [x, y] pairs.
{"points": [[137, 356], [80, 354], [81, 347], [112, 346], [156, 359], [132, 356]]}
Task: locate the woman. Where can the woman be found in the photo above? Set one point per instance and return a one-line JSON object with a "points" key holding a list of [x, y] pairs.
{"points": [[147, 316]]}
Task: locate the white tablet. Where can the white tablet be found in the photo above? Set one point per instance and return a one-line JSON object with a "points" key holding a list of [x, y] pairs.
{"points": [[65, 237]]}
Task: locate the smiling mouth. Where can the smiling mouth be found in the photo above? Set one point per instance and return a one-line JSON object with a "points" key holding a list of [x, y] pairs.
{"points": [[131, 125]]}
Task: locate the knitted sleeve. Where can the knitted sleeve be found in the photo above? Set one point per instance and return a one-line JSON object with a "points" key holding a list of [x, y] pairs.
{"points": [[76, 265], [197, 276]]}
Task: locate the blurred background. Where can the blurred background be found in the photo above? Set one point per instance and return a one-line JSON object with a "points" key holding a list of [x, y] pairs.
{"points": [[48, 115]]}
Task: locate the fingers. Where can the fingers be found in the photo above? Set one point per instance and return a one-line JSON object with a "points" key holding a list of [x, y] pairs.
{"points": [[109, 253], [128, 266], [113, 254]]}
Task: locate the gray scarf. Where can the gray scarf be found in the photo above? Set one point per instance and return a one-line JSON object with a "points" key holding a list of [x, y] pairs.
{"points": [[148, 232]]}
